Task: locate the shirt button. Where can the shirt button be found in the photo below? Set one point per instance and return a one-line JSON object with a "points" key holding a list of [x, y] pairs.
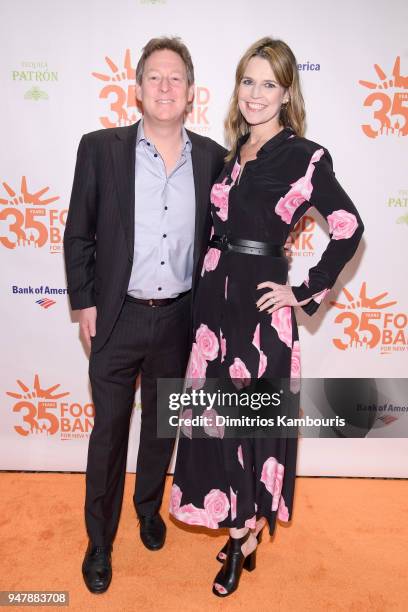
{"points": [[164, 235], [148, 144], [155, 154], [166, 207], [162, 263], [159, 288]]}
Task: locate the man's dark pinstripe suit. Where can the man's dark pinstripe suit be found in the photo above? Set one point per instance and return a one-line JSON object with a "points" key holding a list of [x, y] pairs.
{"points": [[99, 243]]}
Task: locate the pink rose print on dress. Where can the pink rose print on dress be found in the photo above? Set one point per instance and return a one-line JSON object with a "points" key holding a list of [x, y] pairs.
{"points": [[216, 505], [197, 368], [240, 455], [223, 345], [194, 516], [220, 193], [250, 523], [211, 260], [295, 361], [342, 224], [235, 171], [216, 508], [175, 498], [295, 368], [299, 192], [283, 512], [239, 373], [263, 360], [233, 499], [210, 424], [272, 478], [187, 429], [219, 197], [207, 342], [282, 322], [257, 337], [287, 205]]}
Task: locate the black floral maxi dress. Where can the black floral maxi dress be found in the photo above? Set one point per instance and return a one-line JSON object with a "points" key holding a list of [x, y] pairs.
{"points": [[224, 482]]}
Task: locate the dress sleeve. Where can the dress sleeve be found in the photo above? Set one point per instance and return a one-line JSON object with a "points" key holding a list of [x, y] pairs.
{"points": [[345, 228]]}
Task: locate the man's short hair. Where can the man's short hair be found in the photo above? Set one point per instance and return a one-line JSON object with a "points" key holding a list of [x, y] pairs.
{"points": [[162, 43]]}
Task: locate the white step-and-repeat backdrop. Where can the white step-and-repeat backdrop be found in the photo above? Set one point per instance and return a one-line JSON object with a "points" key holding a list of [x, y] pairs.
{"points": [[68, 67]]}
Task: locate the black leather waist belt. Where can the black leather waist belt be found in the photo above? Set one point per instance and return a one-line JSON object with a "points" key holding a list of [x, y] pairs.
{"points": [[155, 301], [250, 247]]}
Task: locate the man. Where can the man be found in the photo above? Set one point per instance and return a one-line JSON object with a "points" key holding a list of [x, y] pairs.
{"points": [[136, 233]]}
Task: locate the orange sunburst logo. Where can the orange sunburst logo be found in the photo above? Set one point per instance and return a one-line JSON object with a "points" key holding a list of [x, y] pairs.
{"points": [[26, 218], [25, 196], [37, 391], [392, 115], [363, 301], [366, 325], [120, 89], [39, 404]]}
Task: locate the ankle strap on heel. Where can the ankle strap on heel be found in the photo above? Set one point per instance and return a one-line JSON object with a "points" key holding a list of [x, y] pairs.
{"points": [[238, 542]]}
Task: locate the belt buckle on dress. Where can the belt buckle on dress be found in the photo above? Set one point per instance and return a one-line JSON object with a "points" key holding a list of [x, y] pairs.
{"points": [[224, 242], [152, 304]]}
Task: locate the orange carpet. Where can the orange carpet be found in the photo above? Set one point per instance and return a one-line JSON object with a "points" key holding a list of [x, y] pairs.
{"points": [[346, 549]]}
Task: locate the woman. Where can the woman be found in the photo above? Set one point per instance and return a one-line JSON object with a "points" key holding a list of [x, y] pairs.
{"points": [[244, 326]]}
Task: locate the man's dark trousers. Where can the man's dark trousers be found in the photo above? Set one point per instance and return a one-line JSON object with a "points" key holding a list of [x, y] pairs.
{"points": [[99, 250], [154, 341]]}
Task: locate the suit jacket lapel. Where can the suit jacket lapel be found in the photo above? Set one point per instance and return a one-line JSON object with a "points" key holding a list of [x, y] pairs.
{"points": [[124, 155], [201, 172]]}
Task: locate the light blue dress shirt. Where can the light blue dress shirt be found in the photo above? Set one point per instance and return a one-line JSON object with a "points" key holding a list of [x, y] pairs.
{"points": [[164, 222]]}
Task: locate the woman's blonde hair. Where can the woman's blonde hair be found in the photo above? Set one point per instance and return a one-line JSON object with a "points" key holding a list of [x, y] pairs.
{"points": [[283, 64]]}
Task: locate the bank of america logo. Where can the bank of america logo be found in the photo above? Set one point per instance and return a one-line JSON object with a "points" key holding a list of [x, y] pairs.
{"points": [[46, 302]]}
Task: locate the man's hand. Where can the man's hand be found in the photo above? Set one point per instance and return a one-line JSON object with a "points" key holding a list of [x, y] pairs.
{"points": [[87, 324]]}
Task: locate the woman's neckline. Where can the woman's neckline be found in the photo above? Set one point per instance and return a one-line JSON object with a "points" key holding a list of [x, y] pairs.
{"points": [[269, 144]]}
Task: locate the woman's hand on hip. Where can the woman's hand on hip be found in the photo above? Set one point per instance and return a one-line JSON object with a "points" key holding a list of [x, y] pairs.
{"points": [[277, 297]]}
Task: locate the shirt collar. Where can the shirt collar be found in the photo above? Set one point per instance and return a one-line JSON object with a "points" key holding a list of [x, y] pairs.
{"points": [[277, 139], [270, 144], [141, 136]]}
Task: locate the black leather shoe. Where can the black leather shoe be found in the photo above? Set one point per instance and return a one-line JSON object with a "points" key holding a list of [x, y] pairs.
{"points": [[152, 531], [222, 555], [97, 568], [227, 579]]}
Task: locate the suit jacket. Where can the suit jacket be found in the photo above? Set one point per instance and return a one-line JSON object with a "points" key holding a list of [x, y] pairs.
{"points": [[99, 233]]}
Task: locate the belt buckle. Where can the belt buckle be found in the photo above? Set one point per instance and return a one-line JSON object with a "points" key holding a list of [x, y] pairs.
{"points": [[151, 303]]}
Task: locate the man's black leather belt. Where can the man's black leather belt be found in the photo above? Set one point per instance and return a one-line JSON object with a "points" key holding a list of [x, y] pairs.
{"points": [[250, 247], [156, 301]]}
